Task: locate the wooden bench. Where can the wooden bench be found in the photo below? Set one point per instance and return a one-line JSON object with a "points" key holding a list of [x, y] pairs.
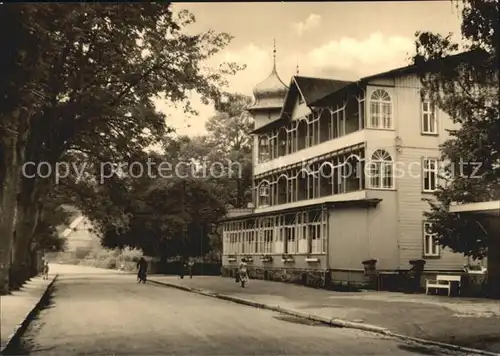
{"points": [[442, 282]]}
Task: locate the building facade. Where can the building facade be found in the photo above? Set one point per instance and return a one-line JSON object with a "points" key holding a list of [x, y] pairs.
{"points": [[341, 174]]}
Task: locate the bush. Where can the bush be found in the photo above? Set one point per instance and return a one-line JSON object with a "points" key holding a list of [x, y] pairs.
{"points": [[111, 264], [111, 259], [82, 252]]}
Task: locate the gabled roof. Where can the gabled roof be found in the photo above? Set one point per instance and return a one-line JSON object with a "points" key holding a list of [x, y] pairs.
{"points": [[425, 66], [435, 65], [313, 89]]}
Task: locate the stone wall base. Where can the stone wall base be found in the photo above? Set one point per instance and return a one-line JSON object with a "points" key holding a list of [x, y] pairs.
{"points": [[315, 278]]}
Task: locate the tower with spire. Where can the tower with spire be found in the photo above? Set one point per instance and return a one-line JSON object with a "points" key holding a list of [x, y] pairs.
{"points": [[269, 97]]}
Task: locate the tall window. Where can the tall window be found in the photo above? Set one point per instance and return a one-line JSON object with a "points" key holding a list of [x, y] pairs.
{"points": [[263, 149], [291, 246], [268, 240], [381, 170], [430, 175], [264, 194], [380, 110], [429, 123], [315, 232], [431, 247], [302, 233], [282, 188], [352, 174], [310, 134]]}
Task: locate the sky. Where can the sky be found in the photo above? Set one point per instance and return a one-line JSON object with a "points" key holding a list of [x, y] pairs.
{"points": [[336, 40]]}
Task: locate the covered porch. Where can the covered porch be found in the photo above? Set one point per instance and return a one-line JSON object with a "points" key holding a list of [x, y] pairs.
{"points": [[488, 215]]}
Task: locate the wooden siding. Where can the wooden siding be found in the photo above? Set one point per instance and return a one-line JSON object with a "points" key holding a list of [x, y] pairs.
{"points": [[382, 82], [348, 238], [300, 110], [358, 234], [410, 201], [383, 230], [264, 118]]}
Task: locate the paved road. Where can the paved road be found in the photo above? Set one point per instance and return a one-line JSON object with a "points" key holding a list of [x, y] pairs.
{"points": [[107, 313]]}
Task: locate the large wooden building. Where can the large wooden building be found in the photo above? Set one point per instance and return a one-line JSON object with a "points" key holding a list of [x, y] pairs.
{"points": [[341, 173]]}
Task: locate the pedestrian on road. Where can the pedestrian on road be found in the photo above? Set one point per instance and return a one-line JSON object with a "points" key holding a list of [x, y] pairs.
{"points": [[46, 270], [182, 271], [243, 273], [190, 266], [142, 267]]}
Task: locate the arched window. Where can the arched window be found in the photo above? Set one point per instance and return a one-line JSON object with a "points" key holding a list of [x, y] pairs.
{"points": [[264, 194], [381, 170], [380, 110], [282, 189]]}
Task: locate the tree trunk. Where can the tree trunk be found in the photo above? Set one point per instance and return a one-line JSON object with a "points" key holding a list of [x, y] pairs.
{"points": [[32, 190], [26, 222], [12, 152], [8, 208]]}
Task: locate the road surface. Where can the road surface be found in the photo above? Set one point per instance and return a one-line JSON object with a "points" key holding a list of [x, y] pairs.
{"points": [[99, 312]]}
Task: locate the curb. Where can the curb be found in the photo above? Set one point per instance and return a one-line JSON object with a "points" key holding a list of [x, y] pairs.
{"points": [[444, 345], [327, 321], [21, 328]]}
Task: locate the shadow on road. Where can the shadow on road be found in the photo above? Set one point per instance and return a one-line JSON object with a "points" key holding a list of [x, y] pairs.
{"points": [[419, 350], [301, 321], [489, 343], [23, 345]]}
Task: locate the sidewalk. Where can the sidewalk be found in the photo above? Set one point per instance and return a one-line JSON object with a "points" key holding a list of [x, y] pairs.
{"points": [[16, 308], [471, 323]]}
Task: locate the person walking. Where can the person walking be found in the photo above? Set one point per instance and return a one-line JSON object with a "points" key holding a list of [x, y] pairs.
{"points": [[142, 269], [46, 270], [190, 267], [243, 274], [183, 268]]}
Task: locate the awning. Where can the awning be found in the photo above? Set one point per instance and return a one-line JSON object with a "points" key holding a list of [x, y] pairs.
{"points": [[484, 208], [358, 203]]}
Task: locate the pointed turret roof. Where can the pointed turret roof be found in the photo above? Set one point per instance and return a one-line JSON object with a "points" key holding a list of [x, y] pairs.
{"points": [[270, 93]]}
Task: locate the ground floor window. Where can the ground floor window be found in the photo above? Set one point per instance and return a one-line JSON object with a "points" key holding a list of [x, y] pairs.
{"points": [[291, 246], [431, 246], [315, 238], [268, 241], [302, 232]]}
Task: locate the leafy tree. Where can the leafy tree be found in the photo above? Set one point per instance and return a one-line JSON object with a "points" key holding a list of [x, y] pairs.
{"points": [[166, 215], [465, 86], [229, 135], [100, 67]]}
